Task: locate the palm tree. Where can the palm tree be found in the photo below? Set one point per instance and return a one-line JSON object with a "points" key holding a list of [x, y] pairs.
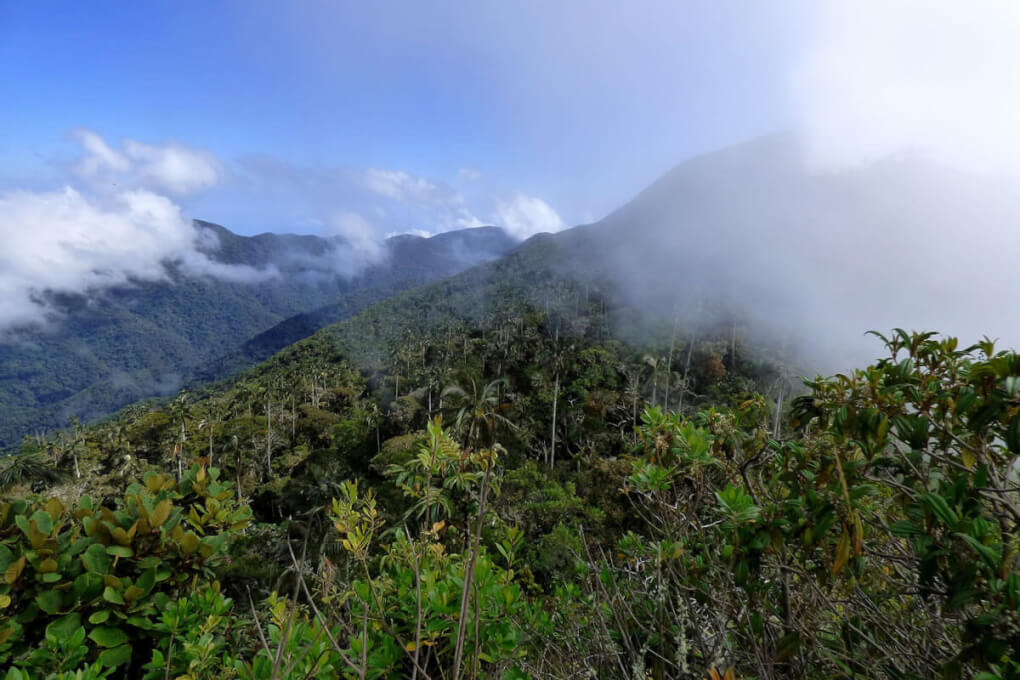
{"points": [[179, 412], [477, 413], [556, 360]]}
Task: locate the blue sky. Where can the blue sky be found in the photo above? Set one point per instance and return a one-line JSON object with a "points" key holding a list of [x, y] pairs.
{"points": [[123, 121], [473, 111]]}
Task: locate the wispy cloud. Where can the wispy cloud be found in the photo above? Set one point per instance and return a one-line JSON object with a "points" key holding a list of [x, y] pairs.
{"points": [[358, 233], [173, 168], [391, 200], [402, 186], [524, 216]]}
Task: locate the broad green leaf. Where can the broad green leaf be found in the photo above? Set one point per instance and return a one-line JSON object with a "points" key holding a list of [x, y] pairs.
{"points": [[119, 551], [108, 636], [111, 595], [65, 626], [99, 617], [96, 560], [116, 656], [49, 601]]}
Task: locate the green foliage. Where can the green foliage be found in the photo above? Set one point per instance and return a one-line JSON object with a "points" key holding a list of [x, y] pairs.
{"points": [[27, 467], [195, 637], [413, 610], [108, 571]]}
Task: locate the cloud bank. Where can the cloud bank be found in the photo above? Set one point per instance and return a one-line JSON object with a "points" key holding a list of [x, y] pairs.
{"points": [[524, 216], [86, 239], [937, 77], [123, 213]]}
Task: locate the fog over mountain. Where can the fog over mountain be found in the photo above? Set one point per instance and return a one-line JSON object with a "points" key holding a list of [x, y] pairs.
{"points": [[517, 339], [819, 255]]}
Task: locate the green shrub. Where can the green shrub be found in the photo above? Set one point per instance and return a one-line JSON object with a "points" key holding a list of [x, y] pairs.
{"points": [[108, 572]]}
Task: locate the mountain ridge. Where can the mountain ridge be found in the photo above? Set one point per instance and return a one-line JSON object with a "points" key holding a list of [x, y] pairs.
{"points": [[145, 339]]}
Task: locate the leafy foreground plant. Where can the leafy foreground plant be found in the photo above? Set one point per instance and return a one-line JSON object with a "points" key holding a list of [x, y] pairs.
{"points": [[879, 541], [109, 574], [878, 536], [409, 606]]}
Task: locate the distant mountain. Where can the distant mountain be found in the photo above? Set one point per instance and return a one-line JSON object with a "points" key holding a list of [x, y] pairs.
{"points": [[411, 260], [757, 242], [751, 243], [148, 339]]}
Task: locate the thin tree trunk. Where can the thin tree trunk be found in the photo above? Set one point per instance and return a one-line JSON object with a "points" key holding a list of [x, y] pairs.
{"points": [[469, 576], [269, 439], [237, 468], [687, 373], [733, 346], [633, 416], [669, 365], [180, 454], [556, 397], [655, 381], [779, 410]]}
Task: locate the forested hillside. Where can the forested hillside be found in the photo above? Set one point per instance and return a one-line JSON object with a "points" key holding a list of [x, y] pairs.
{"points": [[729, 390], [150, 338], [545, 466], [546, 485]]}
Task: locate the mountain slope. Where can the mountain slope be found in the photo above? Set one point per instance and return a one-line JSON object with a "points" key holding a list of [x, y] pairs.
{"points": [[755, 242], [412, 260], [751, 243], [149, 338]]}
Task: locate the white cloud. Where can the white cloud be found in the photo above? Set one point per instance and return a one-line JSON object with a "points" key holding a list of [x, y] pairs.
{"points": [[63, 241], [361, 237], [100, 156], [399, 185], [175, 168], [172, 168], [937, 76], [418, 204], [462, 219], [121, 229], [524, 216], [414, 232]]}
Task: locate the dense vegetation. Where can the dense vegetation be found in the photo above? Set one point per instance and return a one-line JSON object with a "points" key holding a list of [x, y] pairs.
{"points": [[521, 487], [149, 338]]}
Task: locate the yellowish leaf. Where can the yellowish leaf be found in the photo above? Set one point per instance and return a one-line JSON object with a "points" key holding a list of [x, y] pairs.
{"points": [[842, 553], [160, 513], [858, 535], [969, 459], [14, 570]]}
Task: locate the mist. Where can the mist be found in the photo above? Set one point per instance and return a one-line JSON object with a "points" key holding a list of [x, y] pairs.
{"points": [[893, 199], [911, 106], [889, 199]]}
